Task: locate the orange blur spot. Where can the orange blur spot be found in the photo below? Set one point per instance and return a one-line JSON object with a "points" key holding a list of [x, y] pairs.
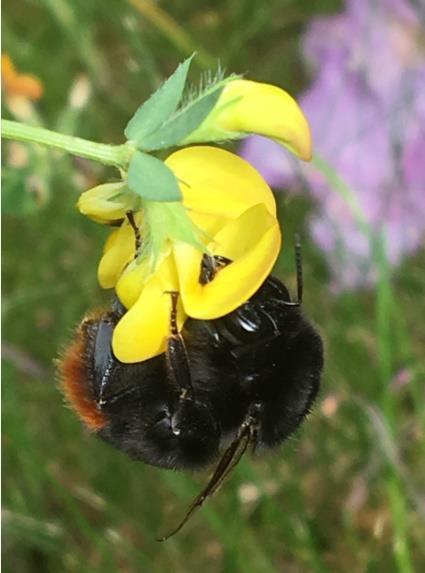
{"points": [[17, 84]]}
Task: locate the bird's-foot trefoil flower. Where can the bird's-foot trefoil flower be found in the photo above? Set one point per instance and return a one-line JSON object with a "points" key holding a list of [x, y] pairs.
{"points": [[227, 210]]}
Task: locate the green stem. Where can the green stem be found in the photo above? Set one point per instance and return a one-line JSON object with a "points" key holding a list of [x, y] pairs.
{"points": [[116, 155], [385, 310], [345, 192]]}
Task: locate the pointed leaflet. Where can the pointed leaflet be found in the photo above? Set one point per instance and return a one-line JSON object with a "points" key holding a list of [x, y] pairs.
{"points": [[158, 108], [152, 179], [185, 120]]}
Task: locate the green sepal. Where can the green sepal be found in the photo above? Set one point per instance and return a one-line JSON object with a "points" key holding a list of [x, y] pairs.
{"points": [[160, 106], [185, 120], [165, 222], [152, 179]]}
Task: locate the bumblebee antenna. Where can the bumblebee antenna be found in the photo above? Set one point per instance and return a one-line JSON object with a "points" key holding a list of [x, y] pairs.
{"points": [[299, 271], [229, 460], [299, 268]]}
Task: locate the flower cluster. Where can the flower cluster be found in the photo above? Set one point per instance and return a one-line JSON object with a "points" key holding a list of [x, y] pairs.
{"points": [[226, 209], [367, 112]]}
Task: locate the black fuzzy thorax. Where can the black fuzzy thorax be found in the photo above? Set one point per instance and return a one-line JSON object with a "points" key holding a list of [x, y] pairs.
{"points": [[264, 356]]}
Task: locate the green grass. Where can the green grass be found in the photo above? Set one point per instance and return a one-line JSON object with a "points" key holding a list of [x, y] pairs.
{"points": [[344, 494]]}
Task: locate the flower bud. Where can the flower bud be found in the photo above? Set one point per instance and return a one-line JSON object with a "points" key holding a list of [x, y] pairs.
{"points": [[108, 203]]}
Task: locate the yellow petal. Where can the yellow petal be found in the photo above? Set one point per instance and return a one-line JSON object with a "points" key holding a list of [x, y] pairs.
{"points": [[130, 283], [118, 252], [110, 240], [252, 107], [107, 203], [134, 277], [142, 332], [253, 242], [218, 182], [210, 224]]}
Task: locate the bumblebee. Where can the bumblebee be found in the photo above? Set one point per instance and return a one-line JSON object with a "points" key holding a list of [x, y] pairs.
{"points": [[247, 379]]}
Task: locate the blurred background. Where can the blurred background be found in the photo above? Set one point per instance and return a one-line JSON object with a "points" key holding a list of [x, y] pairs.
{"points": [[346, 493]]}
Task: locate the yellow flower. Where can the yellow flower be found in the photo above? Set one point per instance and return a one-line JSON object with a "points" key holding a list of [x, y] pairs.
{"points": [[246, 107], [235, 213], [227, 210]]}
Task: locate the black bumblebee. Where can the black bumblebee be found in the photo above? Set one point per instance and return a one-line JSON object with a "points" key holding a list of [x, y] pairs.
{"points": [[246, 379]]}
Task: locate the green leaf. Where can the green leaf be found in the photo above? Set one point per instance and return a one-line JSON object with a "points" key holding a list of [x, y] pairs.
{"points": [[184, 121], [158, 108], [152, 179]]}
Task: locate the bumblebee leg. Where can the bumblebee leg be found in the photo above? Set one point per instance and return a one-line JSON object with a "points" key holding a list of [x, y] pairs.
{"points": [[210, 266], [97, 332], [99, 336], [133, 225], [176, 354], [246, 435]]}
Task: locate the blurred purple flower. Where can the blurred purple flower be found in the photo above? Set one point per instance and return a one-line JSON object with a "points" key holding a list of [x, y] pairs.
{"points": [[366, 108]]}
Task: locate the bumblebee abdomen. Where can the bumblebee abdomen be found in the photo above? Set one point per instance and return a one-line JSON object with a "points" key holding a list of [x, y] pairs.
{"points": [[74, 380]]}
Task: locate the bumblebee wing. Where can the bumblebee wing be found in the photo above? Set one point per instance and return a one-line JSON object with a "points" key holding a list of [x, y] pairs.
{"points": [[229, 460]]}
